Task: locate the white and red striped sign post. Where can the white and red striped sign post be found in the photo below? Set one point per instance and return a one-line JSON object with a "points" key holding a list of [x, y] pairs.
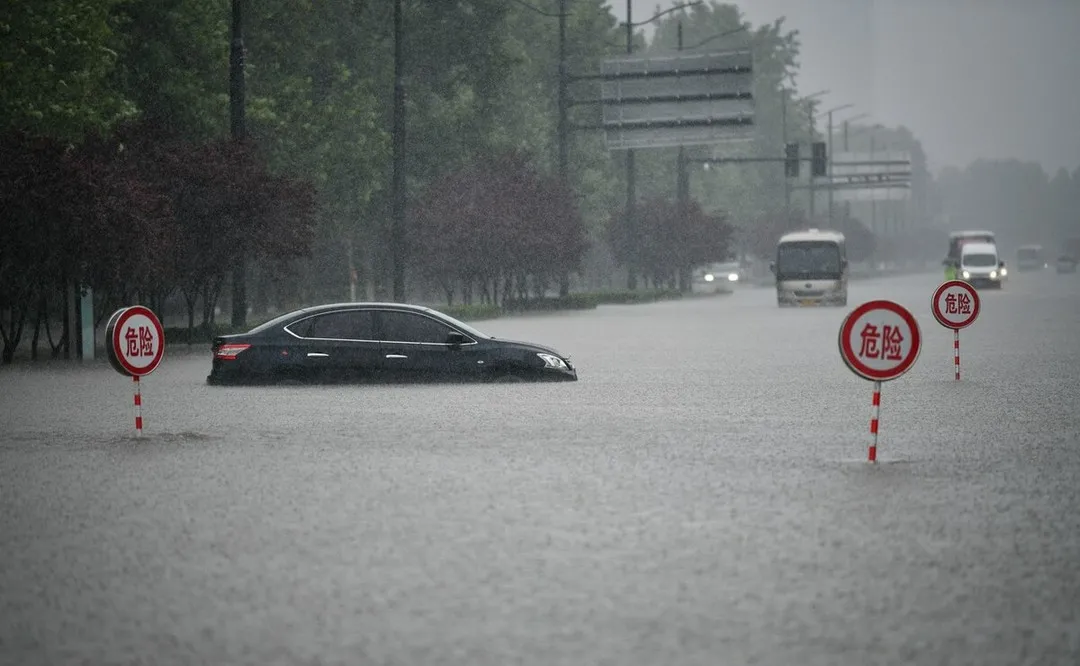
{"points": [[879, 341], [955, 305], [136, 344]]}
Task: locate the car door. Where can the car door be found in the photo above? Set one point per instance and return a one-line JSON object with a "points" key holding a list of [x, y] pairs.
{"points": [[416, 347], [341, 346]]}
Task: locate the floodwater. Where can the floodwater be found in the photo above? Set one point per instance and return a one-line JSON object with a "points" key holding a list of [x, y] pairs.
{"points": [[700, 496]]}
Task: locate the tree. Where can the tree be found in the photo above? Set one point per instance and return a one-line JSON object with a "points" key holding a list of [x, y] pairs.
{"points": [[496, 223], [70, 216], [671, 241], [57, 57]]}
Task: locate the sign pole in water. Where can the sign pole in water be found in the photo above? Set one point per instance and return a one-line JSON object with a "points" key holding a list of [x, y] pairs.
{"points": [[874, 418], [136, 344], [955, 305], [879, 341]]}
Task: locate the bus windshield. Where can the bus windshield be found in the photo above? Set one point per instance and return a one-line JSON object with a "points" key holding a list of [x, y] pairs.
{"points": [[808, 260]]}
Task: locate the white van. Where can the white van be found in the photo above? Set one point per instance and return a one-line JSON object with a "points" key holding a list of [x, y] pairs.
{"points": [[811, 268], [981, 266]]}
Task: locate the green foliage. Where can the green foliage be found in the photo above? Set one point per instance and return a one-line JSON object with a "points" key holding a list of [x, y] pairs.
{"points": [[56, 58], [173, 63]]}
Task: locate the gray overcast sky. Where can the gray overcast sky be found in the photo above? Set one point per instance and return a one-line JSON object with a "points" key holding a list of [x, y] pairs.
{"points": [[971, 78]]}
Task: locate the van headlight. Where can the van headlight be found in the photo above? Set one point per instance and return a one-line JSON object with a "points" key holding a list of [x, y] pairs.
{"points": [[993, 275], [1004, 272], [733, 277]]}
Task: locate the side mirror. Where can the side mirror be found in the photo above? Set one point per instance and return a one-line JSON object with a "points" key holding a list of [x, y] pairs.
{"points": [[1001, 265], [456, 338], [772, 267], [843, 264]]}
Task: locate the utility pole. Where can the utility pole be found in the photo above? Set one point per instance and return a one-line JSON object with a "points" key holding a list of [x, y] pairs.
{"points": [[682, 185], [563, 127], [873, 196], [397, 185], [813, 194], [830, 171], [236, 123], [784, 140], [631, 174]]}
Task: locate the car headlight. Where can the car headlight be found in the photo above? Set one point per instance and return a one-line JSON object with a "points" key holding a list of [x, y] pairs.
{"points": [[552, 361], [966, 274], [733, 277], [993, 275], [709, 277]]}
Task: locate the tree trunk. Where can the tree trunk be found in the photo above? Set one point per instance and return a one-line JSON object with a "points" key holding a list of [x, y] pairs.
{"points": [[41, 312]]}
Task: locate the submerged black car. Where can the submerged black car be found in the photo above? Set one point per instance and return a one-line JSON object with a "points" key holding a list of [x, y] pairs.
{"points": [[378, 342]]}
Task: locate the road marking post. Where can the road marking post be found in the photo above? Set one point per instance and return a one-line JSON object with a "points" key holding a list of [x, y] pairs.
{"points": [[955, 305], [879, 341], [136, 345], [138, 406], [956, 352], [875, 418]]}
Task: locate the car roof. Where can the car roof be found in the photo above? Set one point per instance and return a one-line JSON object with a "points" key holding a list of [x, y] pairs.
{"points": [[979, 248], [961, 234], [300, 313], [812, 235], [326, 307]]}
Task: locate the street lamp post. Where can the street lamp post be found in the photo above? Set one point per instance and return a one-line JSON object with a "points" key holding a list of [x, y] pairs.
{"points": [[682, 175], [236, 121], [397, 184], [829, 170], [811, 101], [631, 173]]}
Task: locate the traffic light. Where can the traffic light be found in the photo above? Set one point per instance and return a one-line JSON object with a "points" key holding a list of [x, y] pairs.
{"points": [[817, 159], [791, 160]]}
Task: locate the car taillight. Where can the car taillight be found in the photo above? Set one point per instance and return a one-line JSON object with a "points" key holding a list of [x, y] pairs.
{"points": [[230, 351]]}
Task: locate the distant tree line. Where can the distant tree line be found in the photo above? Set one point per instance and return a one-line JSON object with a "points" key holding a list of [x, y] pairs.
{"points": [[119, 173]]}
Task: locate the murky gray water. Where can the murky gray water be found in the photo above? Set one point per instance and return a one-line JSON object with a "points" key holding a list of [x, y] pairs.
{"points": [[700, 496]]}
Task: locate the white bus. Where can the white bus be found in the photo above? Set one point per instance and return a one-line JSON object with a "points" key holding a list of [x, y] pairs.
{"points": [[811, 268]]}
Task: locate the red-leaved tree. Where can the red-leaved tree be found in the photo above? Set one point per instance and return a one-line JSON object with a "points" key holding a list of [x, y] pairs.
{"points": [[670, 241], [496, 224]]}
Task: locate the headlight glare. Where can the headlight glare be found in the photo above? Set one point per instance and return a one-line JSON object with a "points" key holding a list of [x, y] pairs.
{"points": [[709, 277], [966, 274], [733, 277]]}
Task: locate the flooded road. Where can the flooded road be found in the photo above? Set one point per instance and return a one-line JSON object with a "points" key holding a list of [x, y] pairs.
{"points": [[700, 496]]}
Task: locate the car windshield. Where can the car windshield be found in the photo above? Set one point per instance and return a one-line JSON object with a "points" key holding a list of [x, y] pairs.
{"points": [[1027, 255], [808, 259], [980, 260]]}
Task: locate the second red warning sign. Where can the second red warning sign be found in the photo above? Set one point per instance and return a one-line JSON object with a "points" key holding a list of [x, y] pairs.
{"points": [[955, 304]]}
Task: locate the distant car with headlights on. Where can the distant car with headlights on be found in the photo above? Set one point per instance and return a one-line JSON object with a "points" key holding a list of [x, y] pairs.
{"points": [[980, 266], [378, 343], [718, 277]]}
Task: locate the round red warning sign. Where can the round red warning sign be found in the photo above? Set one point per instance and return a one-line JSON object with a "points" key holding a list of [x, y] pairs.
{"points": [[955, 304], [136, 341], [880, 340]]}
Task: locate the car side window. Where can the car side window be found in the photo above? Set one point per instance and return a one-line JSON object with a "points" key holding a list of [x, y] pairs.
{"points": [[349, 325], [409, 327]]}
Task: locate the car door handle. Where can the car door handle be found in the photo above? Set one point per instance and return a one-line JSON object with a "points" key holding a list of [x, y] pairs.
{"points": [[317, 355], [396, 356]]}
